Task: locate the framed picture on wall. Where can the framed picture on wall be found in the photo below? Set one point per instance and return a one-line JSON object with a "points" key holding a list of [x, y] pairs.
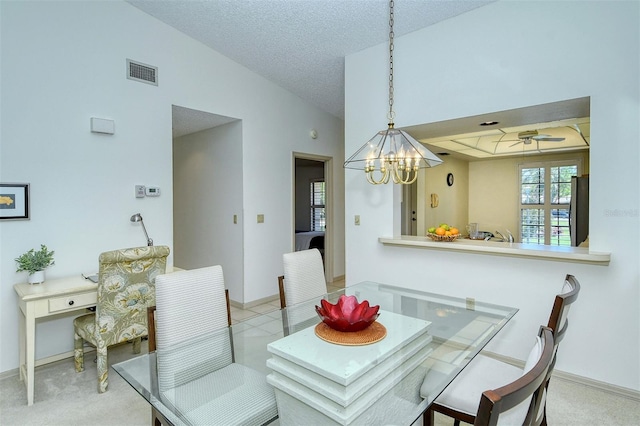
{"points": [[14, 201]]}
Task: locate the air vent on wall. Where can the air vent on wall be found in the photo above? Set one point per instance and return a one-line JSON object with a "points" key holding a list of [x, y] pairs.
{"points": [[142, 72]]}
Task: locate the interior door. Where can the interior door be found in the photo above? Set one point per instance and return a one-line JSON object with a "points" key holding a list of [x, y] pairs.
{"points": [[409, 223]]}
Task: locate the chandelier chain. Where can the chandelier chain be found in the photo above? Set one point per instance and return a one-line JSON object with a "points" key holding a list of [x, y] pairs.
{"points": [[391, 34], [392, 154]]}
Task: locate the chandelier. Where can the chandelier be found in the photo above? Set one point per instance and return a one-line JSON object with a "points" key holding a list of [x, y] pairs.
{"points": [[392, 153]]}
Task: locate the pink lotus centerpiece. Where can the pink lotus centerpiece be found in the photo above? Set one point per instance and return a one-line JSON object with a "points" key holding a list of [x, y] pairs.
{"points": [[347, 314]]}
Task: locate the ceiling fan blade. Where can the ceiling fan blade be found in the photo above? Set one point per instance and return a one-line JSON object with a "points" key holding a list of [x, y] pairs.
{"points": [[577, 129], [548, 139]]}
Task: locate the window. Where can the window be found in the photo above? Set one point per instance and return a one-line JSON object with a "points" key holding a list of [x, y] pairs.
{"points": [[545, 198], [317, 205]]}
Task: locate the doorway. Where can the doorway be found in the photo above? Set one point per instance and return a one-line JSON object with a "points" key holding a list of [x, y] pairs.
{"points": [[312, 207], [207, 206], [409, 208]]}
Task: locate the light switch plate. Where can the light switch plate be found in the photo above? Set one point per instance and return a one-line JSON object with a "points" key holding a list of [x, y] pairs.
{"points": [[357, 220], [471, 304], [260, 218]]}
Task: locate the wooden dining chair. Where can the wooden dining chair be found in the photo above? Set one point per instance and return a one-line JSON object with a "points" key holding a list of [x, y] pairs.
{"points": [[506, 404], [196, 371], [503, 372], [517, 402], [303, 280], [558, 323]]}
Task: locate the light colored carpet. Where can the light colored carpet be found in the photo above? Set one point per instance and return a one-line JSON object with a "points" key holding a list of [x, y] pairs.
{"points": [[66, 398]]}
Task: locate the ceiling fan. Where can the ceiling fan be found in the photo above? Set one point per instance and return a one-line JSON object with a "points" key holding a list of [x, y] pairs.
{"points": [[528, 136]]}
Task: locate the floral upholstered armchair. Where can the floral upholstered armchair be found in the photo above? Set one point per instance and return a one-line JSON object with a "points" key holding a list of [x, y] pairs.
{"points": [[126, 286]]}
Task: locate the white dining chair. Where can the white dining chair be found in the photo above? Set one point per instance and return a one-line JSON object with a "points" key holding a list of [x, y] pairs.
{"points": [[303, 280], [196, 371], [483, 396], [558, 323]]}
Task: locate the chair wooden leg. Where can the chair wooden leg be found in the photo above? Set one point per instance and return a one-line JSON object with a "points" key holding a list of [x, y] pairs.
{"points": [[543, 422], [457, 416], [428, 418], [157, 419], [78, 352]]}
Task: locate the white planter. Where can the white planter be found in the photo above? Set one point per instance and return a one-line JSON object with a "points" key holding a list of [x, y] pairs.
{"points": [[36, 278]]}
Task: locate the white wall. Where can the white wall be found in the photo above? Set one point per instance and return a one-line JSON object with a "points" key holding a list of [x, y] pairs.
{"points": [[207, 191], [453, 206], [484, 61], [64, 62]]}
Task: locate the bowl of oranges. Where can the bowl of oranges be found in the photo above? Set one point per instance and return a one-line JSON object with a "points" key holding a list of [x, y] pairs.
{"points": [[443, 232]]}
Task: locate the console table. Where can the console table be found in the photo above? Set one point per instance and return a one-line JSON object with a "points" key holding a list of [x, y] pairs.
{"points": [[50, 298]]}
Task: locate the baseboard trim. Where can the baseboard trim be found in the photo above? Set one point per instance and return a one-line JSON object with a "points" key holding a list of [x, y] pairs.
{"points": [[574, 378], [338, 278], [60, 357], [254, 303], [46, 360]]}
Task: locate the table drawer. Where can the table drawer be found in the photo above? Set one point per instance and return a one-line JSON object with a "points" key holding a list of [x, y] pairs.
{"points": [[72, 302]]}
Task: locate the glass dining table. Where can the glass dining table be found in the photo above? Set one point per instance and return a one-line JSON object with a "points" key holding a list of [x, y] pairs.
{"points": [[420, 344]]}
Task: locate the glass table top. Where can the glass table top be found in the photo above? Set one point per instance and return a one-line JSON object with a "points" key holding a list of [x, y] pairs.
{"points": [[430, 339]]}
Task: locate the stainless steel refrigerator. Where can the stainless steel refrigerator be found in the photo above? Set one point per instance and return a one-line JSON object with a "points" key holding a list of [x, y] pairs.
{"points": [[579, 210]]}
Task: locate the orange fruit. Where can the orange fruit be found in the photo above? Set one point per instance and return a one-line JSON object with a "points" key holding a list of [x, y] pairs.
{"points": [[447, 232], [454, 231], [440, 231]]}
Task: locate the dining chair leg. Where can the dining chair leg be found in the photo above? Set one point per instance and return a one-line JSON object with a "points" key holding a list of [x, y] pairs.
{"points": [[157, 419], [543, 422], [428, 418], [137, 345], [78, 352], [103, 368]]}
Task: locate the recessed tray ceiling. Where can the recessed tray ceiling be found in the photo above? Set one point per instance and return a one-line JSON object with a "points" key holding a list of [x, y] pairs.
{"points": [[467, 138]]}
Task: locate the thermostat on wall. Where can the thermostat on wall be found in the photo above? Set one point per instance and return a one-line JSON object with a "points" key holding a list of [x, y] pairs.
{"points": [[152, 191]]}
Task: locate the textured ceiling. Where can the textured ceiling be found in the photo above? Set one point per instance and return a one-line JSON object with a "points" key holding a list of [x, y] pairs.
{"points": [[300, 44], [186, 121]]}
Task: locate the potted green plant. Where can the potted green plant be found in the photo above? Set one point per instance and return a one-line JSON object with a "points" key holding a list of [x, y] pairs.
{"points": [[35, 262]]}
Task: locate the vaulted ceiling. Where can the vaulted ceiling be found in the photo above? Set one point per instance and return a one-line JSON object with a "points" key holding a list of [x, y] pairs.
{"points": [[300, 44]]}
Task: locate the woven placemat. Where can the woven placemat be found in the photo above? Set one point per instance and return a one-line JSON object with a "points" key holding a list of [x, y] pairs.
{"points": [[372, 334]]}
